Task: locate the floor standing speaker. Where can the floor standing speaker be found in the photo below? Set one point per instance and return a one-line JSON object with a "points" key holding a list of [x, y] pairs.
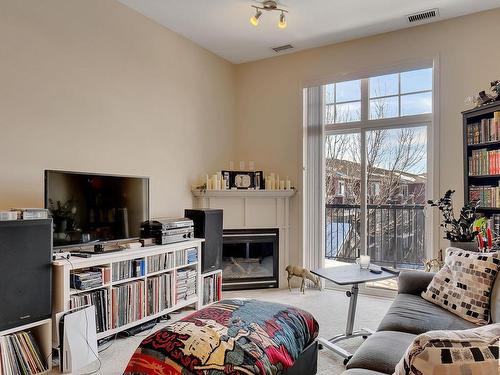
{"points": [[25, 272], [208, 225]]}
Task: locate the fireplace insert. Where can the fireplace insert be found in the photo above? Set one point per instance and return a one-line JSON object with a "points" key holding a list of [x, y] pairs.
{"points": [[250, 259]]}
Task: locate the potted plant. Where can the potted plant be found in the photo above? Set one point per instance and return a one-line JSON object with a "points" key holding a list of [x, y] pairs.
{"points": [[461, 231]]}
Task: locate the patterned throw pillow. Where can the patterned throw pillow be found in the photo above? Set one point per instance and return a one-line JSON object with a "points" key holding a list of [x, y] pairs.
{"points": [[463, 286], [467, 352]]}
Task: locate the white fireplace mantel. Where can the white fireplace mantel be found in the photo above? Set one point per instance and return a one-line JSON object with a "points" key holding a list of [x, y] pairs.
{"points": [[253, 209]]}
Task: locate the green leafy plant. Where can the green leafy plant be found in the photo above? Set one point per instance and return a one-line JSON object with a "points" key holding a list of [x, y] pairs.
{"points": [[461, 229]]}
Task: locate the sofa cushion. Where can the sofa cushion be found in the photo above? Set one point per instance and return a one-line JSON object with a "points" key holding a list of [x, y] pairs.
{"points": [[381, 351], [470, 351], [361, 371], [495, 302], [413, 314], [463, 286]]}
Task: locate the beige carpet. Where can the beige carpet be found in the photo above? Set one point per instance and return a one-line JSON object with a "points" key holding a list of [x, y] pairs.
{"points": [[328, 307]]}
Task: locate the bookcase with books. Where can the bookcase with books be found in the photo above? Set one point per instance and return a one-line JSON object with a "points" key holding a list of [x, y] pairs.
{"points": [[130, 287], [211, 286], [26, 349], [481, 128]]}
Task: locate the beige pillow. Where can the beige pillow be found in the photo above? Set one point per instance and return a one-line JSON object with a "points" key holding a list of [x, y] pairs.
{"points": [[464, 284], [495, 302], [471, 351]]}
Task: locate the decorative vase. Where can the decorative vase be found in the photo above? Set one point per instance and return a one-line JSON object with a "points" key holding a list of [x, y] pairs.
{"points": [[468, 246]]}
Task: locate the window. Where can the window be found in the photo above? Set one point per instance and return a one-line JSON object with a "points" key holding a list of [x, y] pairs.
{"points": [[343, 102], [341, 188], [376, 132], [401, 94]]}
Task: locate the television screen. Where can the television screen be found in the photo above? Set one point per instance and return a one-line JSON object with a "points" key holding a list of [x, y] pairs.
{"points": [[91, 207]]}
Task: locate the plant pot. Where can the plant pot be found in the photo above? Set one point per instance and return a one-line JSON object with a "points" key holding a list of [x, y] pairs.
{"points": [[468, 246]]}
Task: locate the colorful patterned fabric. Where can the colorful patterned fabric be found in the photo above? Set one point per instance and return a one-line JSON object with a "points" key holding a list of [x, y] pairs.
{"points": [[231, 337], [463, 286], [466, 352]]}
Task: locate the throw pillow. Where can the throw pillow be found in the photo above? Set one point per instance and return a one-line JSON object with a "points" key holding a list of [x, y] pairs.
{"points": [[471, 351], [463, 286]]}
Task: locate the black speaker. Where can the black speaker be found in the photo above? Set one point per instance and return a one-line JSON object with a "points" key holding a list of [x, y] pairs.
{"points": [[208, 225], [25, 272]]}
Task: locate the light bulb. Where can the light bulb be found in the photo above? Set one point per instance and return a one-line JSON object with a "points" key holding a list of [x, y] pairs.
{"points": [[255, 19], [282, 23]]}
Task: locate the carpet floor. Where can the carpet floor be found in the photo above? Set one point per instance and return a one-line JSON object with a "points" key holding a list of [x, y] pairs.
{"points": [[329, 307]]}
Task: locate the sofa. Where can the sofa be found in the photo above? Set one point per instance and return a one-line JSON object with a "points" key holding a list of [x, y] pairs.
{"points": [[408, 316]]}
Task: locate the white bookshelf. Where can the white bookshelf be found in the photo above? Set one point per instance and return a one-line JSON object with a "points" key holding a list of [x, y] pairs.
{"points": [[42, 333], [62, 269], [210, 274]]}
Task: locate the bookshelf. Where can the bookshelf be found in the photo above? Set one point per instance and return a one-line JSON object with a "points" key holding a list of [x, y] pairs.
{"points": [[42, 335], [211, 287], [481, 137], [161, 279]]}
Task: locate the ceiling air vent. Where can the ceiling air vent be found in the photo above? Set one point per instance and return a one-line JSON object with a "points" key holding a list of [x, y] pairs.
{"points": [[282, 48], [423, 16]]}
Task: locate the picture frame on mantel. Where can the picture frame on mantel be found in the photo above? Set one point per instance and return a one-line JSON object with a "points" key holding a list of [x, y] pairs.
{"points": [[244, 180]]}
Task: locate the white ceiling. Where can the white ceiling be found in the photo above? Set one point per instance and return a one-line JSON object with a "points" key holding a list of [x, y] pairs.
{"points": [[222, 26]]}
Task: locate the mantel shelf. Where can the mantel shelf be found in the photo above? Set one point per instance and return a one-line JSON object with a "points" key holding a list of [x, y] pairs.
{"points": [[243, 193]]}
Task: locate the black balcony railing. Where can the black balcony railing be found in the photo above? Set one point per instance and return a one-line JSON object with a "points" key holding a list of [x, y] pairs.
{"points": [[395, 234]]}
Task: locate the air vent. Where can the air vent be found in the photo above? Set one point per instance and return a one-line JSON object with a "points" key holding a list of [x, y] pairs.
{"points": [[282, 48], [423, 16]]}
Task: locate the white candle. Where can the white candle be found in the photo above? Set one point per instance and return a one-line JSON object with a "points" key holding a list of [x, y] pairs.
{"points": [[242, 165], [208, 183], [231, 165], [282, 185], [214, 182], [251, 165], [288, 184]]}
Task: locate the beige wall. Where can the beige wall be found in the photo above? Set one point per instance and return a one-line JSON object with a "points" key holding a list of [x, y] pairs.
{"points": [[93, 86], [269, 110]]}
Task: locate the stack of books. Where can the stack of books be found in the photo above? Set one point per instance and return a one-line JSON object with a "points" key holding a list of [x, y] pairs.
{"points": [[212, 288], [192, 255], [127, 303], [186, 285], [483, 132], [484, 162], [19, 354], [99, 299], [488, 196], [128, 269], [186, 256], [161, 262], [85, 279], [160, 293]]}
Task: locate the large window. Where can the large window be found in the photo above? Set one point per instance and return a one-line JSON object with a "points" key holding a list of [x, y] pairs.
{"points": [[376, 132]]}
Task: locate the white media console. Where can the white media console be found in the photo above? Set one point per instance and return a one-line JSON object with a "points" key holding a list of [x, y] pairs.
{"points": [[62, 291]]}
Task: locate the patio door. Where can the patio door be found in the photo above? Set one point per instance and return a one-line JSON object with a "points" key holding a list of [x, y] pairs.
{"points": [[377, 168]]}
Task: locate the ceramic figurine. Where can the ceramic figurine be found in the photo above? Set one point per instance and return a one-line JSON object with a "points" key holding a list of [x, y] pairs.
{"points": [[304, 274]]}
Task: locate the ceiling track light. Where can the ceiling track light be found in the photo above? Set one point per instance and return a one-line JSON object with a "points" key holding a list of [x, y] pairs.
{"points": [[268, 6]]}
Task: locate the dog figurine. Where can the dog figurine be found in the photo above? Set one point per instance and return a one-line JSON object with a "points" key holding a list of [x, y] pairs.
{"points": [[304, 274]]}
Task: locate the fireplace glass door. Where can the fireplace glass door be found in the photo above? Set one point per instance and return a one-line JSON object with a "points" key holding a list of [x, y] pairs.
{"points": [[250, 259]]}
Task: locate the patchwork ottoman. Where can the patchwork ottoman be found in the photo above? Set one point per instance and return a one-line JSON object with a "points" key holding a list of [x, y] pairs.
{"points": [[236, 336]]}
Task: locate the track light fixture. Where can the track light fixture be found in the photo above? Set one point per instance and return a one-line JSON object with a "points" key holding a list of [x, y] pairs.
{"points": [[269, 5]]}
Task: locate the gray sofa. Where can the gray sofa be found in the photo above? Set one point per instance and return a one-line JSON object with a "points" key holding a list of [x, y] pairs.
{"points": [[408, 316]]}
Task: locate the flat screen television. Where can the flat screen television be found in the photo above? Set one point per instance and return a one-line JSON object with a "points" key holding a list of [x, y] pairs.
{"points": [[88, 208]]}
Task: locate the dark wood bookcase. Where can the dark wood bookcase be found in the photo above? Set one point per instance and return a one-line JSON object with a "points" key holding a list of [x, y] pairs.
{"points": [[470, 117]]}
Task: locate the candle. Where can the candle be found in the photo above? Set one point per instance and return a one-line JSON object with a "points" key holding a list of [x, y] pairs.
{"points": [[242, 165], [207, 183], [251, 165], [288, 184], [231, 165], [282, 185]]}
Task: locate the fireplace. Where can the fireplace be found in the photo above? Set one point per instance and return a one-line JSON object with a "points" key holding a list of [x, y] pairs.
{"points": [[250, 258]]}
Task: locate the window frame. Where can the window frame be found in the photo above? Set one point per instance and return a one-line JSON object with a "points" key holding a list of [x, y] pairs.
{"points": [[365, 125]]}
